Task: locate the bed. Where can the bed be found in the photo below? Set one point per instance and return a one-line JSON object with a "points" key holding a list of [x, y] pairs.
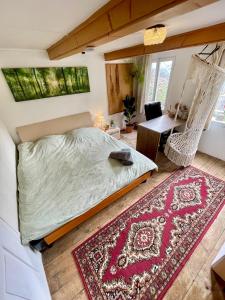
{"points": [[65, 175]]}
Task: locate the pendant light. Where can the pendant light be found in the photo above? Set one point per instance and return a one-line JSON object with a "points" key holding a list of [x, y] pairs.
{"points": [[155, 35]]}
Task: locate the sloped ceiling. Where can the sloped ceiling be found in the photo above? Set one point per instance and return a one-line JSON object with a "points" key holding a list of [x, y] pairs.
{"points": [[37, 24], [202, 17]]}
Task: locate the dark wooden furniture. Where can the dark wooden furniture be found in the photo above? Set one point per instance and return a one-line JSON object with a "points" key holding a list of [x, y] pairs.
{"points": [[149, 134]]}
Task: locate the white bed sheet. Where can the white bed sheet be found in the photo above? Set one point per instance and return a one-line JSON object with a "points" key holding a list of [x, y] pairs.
{"points": [[62, 176]]}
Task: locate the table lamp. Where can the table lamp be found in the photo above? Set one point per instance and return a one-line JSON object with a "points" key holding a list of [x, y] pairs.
{"points": [[100, 121]]}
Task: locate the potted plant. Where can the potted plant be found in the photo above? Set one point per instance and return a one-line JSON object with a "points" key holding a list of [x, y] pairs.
{"points": [[129, 112], [137, 72], [112, 124]]}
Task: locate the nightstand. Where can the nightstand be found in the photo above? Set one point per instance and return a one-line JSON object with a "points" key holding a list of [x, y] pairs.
{"points": [[114, 131]]}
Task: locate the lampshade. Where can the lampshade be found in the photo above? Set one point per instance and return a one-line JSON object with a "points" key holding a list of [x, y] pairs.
{"points": [[155, 35], [100, 121]]}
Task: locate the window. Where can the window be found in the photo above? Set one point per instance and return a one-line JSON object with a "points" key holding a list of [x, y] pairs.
{"points": [[159, 80], [219, 113]]}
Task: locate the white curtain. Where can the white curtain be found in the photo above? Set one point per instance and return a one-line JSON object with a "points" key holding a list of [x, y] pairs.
{"points": [[141, 88], [218, 58]]}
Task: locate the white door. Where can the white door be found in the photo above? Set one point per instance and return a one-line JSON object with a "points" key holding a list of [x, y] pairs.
{"points": [[21, 271]]}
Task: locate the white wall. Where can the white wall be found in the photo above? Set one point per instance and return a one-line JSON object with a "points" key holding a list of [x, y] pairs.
{"points": [[15, 114], [8, 184], [213, 141]]}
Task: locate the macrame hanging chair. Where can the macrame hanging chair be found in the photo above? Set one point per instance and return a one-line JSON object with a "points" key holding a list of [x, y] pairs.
{"points": [[208, 79]]}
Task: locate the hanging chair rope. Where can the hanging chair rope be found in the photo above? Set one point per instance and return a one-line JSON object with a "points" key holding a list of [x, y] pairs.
{"points": [[181, 147]]}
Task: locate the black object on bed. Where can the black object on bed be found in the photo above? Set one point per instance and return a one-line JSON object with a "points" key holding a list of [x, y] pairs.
{"points": [[124, 156]]}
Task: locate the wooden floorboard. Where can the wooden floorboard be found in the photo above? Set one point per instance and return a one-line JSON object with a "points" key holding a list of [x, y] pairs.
{"points": [[194, 281]]}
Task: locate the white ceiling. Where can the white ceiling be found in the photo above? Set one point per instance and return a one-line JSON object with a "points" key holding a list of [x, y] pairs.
{"points": [[36, 24]]}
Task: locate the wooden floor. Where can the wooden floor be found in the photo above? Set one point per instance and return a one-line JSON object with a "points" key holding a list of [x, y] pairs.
{"points": [[194, 282]]}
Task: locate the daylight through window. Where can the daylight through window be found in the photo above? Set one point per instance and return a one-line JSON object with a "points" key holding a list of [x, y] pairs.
{"points": [[159, 80], [219, 113]]}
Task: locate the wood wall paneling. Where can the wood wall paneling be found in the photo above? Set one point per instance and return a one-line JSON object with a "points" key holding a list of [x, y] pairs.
{"points": [[141, 8], [64, 47], [125, 53], [75, 42], [148, 13], [98, 28], [120, 15], [119, 84]]}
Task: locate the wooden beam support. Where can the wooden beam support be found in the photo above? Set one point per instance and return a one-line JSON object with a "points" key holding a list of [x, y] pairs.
{"points": [[212, 34], [119, 18]]}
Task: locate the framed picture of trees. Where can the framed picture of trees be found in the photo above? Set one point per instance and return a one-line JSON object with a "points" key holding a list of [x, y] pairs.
{"points": [[35, 83]]}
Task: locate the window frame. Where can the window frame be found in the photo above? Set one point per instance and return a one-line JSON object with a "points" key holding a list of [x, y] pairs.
{"points": [[158, 61], [221, 122]]}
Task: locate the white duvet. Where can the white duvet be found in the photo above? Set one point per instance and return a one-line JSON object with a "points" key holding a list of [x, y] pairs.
{"points": [[62, 176]]}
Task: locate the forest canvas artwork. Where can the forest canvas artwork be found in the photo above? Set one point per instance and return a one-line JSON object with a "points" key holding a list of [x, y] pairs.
{"points": [[35, 83]]}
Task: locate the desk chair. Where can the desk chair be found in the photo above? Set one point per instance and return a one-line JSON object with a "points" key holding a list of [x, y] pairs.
{"points": [[152, 111]]}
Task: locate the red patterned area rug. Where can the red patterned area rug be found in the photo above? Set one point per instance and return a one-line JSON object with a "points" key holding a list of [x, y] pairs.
{"points": [[139, 254]]}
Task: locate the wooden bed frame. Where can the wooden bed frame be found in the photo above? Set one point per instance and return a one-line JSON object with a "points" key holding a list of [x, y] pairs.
{"points": [[35, 131]]}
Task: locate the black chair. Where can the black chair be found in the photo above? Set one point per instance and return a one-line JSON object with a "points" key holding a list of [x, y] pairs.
{"points": [[152, 111]]}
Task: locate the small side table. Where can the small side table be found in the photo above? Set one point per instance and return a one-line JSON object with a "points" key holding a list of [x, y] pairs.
{"points": [[114, 131]]}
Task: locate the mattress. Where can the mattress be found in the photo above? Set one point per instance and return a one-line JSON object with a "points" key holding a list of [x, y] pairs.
{"points": [[62, 176]]}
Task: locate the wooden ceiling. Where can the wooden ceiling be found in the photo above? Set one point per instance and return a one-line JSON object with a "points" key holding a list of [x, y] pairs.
{"points": [[212, 34], [119, 18]]}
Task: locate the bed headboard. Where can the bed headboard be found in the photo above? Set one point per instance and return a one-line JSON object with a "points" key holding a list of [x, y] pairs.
{"points": [[32, 132]]}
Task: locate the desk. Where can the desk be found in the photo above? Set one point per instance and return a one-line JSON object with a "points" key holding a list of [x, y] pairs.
{"points": [[149, 134]]}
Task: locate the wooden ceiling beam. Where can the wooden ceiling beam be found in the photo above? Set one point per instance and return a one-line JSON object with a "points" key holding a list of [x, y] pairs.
{"points": [[207, 35], [119, 18]]}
